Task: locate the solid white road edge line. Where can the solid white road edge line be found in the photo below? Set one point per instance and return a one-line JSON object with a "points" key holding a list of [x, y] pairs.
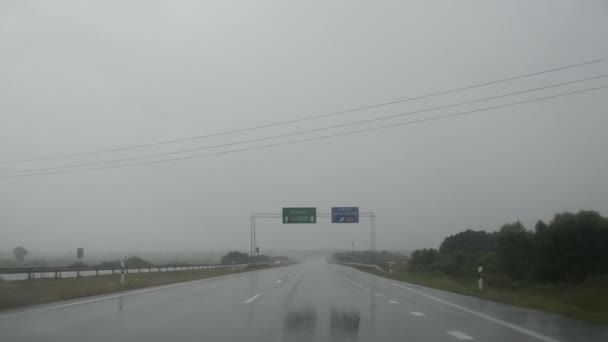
{"points": [[252, 298], [460, 336], [481, 315], [473, 312]]}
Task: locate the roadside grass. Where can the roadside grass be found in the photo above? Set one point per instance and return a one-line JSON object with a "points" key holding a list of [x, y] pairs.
{"points": [[14, 294], [587, 300]]}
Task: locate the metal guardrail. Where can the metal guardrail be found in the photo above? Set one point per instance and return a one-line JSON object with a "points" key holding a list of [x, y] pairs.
{"points": [[57, 271], [376, 267], [255, 264]]}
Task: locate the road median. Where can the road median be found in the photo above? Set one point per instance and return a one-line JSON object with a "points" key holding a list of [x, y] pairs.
{"points": [[21, 293]]}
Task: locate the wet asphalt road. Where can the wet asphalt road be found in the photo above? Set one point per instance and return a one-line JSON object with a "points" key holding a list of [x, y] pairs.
{"points": [[305, 302]]}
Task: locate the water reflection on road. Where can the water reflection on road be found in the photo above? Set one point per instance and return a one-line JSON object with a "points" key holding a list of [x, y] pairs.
{"points": [[302, 325], [345, 325], [121, 303]]}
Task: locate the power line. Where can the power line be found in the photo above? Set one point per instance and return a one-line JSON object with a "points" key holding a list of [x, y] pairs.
{"points": [[300, 132], [312, 139], [306, 118]]}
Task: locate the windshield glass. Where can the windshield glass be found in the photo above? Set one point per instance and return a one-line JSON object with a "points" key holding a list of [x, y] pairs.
{"points": [[303, 170]]}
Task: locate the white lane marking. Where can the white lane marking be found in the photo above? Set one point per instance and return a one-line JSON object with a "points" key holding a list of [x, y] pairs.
{"points": [[482, 315], [279, 281], [366, 290], [473, 312], [418, 314], [460, 336], [378, 294], [252, 298], [393, 301]]}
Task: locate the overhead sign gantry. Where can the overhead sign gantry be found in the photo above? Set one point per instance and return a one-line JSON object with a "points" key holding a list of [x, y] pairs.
{"points": [[309, 215]]}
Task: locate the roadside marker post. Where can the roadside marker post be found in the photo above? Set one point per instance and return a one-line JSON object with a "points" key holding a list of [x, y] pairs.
{"points": [[480, 278], [122, 272], [390, 267]]}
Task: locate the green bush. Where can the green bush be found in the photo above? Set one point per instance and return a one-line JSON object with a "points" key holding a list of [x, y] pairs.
{"points": [[235, 257], [571, 248]]}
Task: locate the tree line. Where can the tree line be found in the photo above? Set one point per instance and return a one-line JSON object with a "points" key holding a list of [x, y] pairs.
{"points": [[236, 257], [571, 247], [133, 261]]}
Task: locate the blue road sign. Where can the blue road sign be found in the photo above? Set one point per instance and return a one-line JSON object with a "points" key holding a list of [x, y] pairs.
{"points": [[345, 215]]}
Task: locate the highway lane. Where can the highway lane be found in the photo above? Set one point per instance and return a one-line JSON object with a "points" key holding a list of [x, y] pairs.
{"points": [[305, 302]]}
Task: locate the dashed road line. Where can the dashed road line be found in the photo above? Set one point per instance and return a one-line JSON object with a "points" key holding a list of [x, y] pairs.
{"points": [[461, 336], [418, 314], [378, 294], [393, 301], [252, 298], [366, 290], [279, 281]]}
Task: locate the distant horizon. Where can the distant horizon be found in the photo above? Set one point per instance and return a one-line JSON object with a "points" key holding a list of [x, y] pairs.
{"points": [[528, 223], [9, 253]]}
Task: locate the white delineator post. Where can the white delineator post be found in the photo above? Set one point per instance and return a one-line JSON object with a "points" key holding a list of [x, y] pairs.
{"points": [[122, 272], [390, 267], [480, 276]]}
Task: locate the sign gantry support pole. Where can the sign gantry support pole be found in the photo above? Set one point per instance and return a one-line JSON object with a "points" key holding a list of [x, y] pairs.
{"points": [[254, 216], [372, 229], [253, 235]]}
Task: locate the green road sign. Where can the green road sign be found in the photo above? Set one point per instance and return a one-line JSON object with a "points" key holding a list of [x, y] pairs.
{"points": [[299, 215]]}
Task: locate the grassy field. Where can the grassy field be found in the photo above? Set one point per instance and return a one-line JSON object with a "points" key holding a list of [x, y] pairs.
{"points": [[21, 293], [586, 301]]}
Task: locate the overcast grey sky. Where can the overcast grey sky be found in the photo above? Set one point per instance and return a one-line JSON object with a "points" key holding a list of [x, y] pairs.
{"points": [[78, 76]]}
